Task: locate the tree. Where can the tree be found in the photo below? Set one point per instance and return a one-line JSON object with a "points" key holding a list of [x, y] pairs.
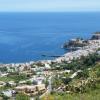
{"points": [[56, 81], [83, 74], [66, 80], [28, 82], [46, 82], [3, 69], [5, 97]]}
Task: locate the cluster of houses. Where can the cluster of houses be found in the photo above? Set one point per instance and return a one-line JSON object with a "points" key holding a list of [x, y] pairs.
{"points": [[37, 72], [31, 90], [93, 46]]}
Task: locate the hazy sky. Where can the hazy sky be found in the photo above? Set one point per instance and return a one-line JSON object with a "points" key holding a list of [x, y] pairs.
{"points": [[49, 5]]}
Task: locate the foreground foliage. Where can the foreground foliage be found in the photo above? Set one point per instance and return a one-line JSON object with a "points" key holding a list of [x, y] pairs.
{"points": [[22, 96], [86, 86], [93, 95]]}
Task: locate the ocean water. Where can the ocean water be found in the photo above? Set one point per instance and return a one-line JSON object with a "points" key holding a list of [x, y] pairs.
{"points": [[26, 36]]}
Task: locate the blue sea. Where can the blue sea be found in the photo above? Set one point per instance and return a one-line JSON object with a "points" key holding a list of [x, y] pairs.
{"points": [[26, 36]]}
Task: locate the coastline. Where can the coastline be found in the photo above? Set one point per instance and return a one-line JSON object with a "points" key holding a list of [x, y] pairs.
{"points": [[93, 46]]}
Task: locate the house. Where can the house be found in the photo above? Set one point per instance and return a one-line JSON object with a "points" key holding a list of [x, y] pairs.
{"points": [[26, 89], [38, 80], [22, 82], [10, 69], [47, 66], [2, 83], [41, 88], [21, 68], [98, 52], [21, 88], [11, 83], [31, 89], [3, 74], [8, 93]]}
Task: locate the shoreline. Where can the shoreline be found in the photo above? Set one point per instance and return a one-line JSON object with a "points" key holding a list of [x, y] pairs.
{"points": [[93, 46]]}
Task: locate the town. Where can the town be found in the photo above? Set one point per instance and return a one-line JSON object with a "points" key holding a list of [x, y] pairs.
{"points": [[36, 80]]}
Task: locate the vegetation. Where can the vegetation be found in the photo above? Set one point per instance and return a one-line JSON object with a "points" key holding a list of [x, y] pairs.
{"points": [[93, 95], [86, 86], [60, 79], [76, 64], [83, 75], [46, 82], [56, 81], [14, 77], [3, 69], [5, 79], [22, 96], [4, 88], [28, 82]]}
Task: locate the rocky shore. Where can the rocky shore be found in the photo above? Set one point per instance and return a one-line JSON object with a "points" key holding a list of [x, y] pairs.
{"points": [[92, 47]]}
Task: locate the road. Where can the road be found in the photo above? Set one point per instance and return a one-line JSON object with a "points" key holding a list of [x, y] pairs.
{"points": [[75, 74], [49, 88]]}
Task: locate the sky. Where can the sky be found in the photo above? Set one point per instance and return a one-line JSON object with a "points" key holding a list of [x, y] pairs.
{"points": [[49, 5]]}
